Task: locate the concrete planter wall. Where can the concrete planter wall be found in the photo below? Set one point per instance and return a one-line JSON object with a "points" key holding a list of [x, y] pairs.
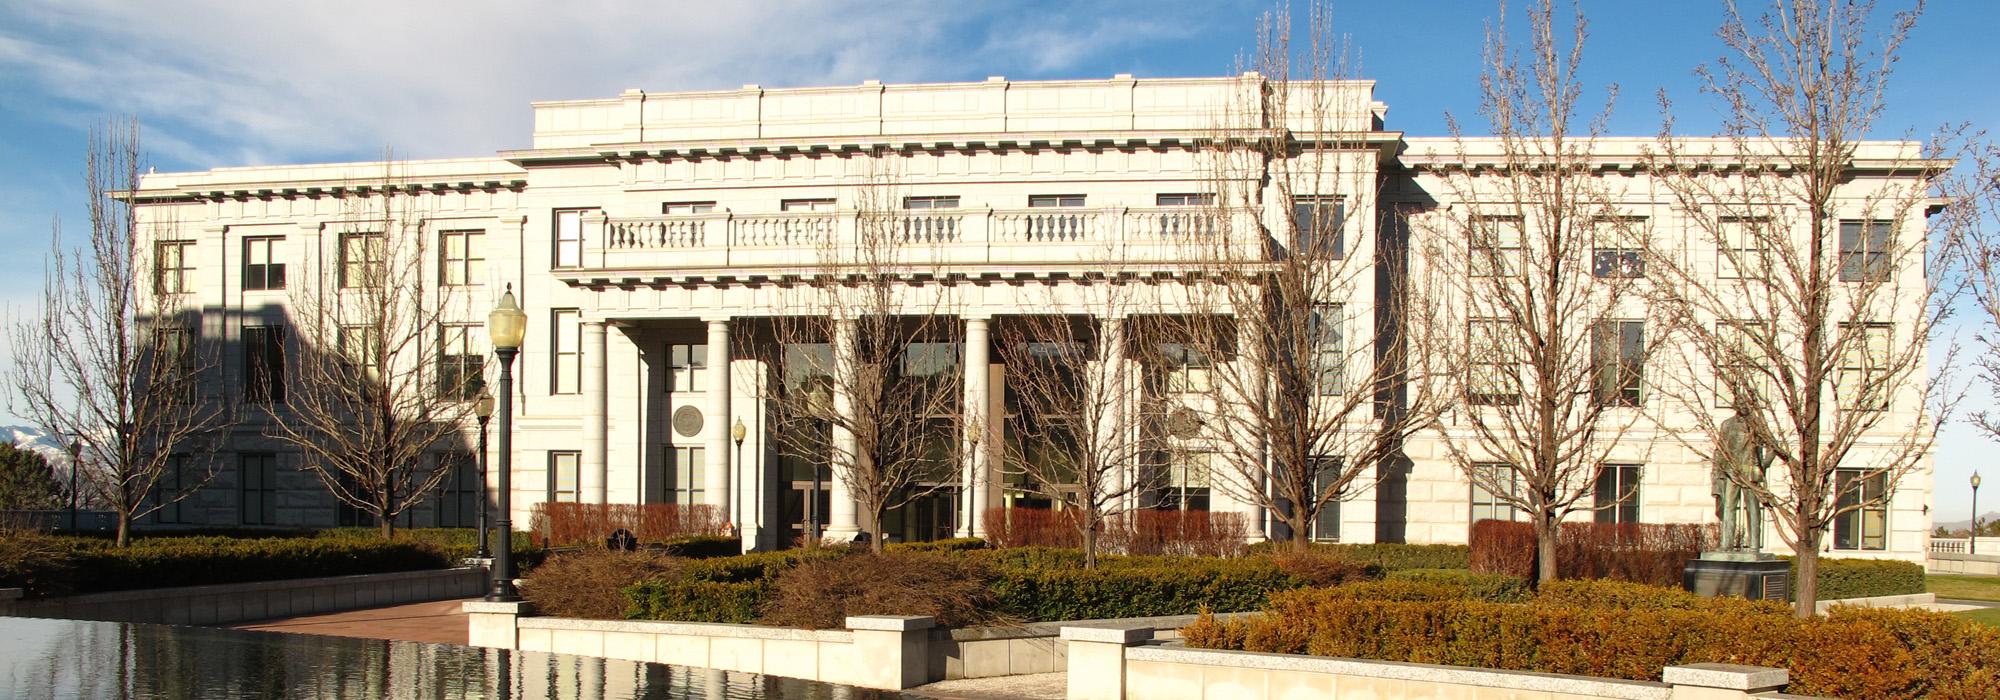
{"points": [[261, 600], [1114, 664], [1948, 563]]}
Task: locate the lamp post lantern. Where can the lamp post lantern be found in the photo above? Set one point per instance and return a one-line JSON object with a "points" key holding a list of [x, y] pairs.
{"points": [[505, 327], [483, 408], [75, 465], [1972, 540], [736, 433]]}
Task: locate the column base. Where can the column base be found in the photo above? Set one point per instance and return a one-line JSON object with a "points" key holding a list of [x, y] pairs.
{"points": [[840, 535]]}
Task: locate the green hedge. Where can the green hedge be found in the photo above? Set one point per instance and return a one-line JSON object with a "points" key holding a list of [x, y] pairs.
{"points": [[955, 544], [46, 566], [1151, 586], [698, 601], [1389, 556], [1840, 579], [1499, 588], [703, 546]]}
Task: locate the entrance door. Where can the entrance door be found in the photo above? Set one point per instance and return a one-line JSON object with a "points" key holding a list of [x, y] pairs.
{"points": [[792, 510]]}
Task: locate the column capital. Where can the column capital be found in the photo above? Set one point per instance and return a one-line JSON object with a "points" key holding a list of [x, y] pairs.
{"points": [[976, 318], [717, 320]]}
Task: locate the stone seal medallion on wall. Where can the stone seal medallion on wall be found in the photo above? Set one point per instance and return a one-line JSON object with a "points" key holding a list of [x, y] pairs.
{"points": [[687, 421]]}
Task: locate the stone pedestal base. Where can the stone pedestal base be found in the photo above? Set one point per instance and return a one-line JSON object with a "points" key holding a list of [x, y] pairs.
{"points": [[1753, 576]]}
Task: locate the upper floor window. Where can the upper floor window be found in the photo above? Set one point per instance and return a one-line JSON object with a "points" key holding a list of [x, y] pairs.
{"points": [[1741, 363], [1328, 348], [463, 258], [361, 260], [1495, 242], [690, 367], [1740, 247], [1864, 249], [569, 236], [261, 269], [1617, 494], [1185, 200], [1184, 369], [931, 202], [173, 364], [1620, 248], [566, 339], [461, 361], [1055, 200], [1494, 489], [1494, 353], [1864, 366], [173, 270], [1316, 221], [264, 364], [689, 475], [806, 205], [1618, 352], [1863, 495], [684, 208]]}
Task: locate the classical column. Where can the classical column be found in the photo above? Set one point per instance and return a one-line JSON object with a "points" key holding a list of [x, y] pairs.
{"points": [[596, 429], [978, 429], [1114, 378], [842, 520], [716, 427]]}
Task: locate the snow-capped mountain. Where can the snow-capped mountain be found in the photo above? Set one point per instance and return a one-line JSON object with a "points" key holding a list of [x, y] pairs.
{"points": [[33, 439]]}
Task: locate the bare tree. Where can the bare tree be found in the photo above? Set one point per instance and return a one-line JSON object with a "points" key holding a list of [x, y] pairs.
{"points": [[1076, 438], [385, 364], [116, 359], [1282, 295], [1831, 281], [1551, 365], [867, 350]]}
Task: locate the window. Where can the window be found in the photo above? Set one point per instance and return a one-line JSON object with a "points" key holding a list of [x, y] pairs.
{"points": [[264, 364], [174, 271], [260, 267], [1620, 249], [361, 263], [566, 362], [1618, 351], [937, 202], [1617, 497], [685, 208], [1741, 363], [690, 367], [1187, 481], [1326, 523], [347, 514], [806, 205], [461, 361], [1039, 201], [1863, 250], [688, 475], [569, 237], [1491, 505], [458, 499], [1184, 200], [1740, 247], [1865, 525], [463, 258], [361, 347], [1184, 369], [259, 474], [173, 358], [1495, 246], [563, 468], [1864, 366], [1493, 354], [1316, 222], [1329, 351], [168, 491]]}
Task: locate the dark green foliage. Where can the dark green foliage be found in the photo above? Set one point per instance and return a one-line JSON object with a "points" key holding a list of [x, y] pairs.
{"points": [[703, 546], [27, 482], [1138, 587], [1387, 556], [697, 601], [955, 544], [47, 566], [1840, 579], [1498, 588]]}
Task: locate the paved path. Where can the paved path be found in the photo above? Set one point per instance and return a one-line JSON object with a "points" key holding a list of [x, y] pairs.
{"points": [[438, 622], [1038, 686]]}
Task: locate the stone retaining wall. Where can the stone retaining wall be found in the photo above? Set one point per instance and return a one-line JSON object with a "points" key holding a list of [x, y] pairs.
{"points": [[1949, 563], [261, 600]]}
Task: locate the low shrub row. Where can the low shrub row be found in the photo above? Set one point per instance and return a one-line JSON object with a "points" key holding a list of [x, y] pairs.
{"points": [[1388, 556], [52, 566], [1143, 532], [1622, 630], [1155, 586], [1840, 579], [588, 524]]}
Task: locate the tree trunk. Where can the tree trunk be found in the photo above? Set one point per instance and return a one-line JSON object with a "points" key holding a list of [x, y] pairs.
{"points": [[1089, 545], [1805, 600], [385, 527], [1545, 550], [1297, 523], [124, 528]]}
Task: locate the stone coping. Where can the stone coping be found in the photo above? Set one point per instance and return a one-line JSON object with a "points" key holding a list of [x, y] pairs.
{"points": [[690, 629], [1961, 556], [1054, 629], [518, 607], [1726, 676], [255, 586], [891, 623], [1112, 635], [1396, 670], [1880, 601]]}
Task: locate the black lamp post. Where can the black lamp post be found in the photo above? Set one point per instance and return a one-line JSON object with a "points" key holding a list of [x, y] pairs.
{"points": [[736, 432], [483, 408], [505, 327], [1972, 541], [75, 465]]}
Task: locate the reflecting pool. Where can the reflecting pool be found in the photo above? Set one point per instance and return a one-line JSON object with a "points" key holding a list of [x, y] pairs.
{"points": [[77, 659]]}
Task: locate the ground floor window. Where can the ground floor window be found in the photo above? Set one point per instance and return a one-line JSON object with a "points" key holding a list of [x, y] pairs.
{"points": [[166, 493], [1491, 504], [259, 474], [346, 514], [563, 466], [458, 494], [1865, 524], [1617, 493], [687, 478], [1326, 523], [1187, 482]]}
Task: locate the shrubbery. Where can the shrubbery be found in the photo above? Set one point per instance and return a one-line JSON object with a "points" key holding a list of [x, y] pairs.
{"points": [[1865, 578], [588, 524], [1622, 630], [1140, 532], [1137, 587], [822, 592], [1642, 552], [51, 566], [1387, 556], [954, 544], [590, 584]]}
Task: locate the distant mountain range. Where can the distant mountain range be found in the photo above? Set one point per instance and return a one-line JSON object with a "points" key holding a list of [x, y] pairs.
{"points": [[33, 439], [1990, 516]]}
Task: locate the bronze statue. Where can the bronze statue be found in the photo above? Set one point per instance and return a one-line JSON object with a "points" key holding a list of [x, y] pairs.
{"points": [[1738, 475]]}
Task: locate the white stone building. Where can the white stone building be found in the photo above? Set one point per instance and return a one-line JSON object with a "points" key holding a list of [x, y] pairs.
{"points": [[643, 232]]}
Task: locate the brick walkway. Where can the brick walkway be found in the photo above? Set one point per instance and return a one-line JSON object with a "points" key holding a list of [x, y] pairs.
{"points": [[438, 622]]}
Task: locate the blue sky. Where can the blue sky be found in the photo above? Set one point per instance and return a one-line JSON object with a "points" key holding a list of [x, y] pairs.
{"points": [[220, 84]]}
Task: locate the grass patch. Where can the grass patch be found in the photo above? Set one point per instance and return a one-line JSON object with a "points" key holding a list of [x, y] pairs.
{"points": [[1985, 616], [1964, 587]]}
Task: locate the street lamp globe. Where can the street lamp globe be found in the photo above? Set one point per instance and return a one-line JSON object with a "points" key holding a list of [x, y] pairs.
{"points": [[507, 325], [482, 407], [739, 431]]}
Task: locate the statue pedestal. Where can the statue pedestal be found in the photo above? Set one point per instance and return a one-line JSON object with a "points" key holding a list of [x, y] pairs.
{"points": [[1753, 575]]}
